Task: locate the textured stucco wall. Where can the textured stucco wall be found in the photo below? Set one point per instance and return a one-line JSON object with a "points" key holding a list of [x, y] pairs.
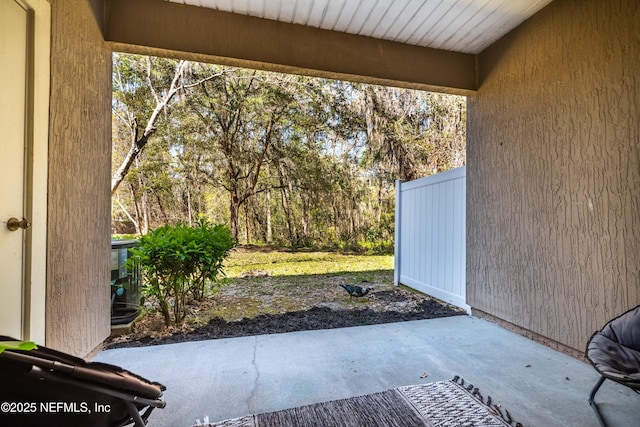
{"points": [[77, 313], [553, 174]]}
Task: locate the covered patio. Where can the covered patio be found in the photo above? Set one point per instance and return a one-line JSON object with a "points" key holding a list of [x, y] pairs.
{"points": [[551, 207], [552, 142], [553, 214], [230, 378]]}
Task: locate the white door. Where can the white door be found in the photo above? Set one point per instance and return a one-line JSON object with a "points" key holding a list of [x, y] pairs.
{"points": [[14, 45]]}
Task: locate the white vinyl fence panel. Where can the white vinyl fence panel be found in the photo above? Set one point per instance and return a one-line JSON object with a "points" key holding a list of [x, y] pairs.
{"points": [[430, 235]]}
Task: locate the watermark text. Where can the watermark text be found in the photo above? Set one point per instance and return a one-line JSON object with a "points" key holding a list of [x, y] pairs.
{"points": [[54, 407]]}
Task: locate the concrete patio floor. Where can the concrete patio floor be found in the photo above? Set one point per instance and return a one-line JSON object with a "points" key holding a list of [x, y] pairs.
{"points": [[229, 378]]}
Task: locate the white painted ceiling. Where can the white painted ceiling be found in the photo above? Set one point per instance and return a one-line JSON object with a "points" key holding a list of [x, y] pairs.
{"points": [[466, 26]]}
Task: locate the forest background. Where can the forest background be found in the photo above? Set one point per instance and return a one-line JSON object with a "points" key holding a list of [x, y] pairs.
{"points": [[284, 160]]}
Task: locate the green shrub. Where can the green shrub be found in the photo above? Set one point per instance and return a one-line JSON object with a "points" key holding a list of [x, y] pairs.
{"points": [[379, 247], [178, 262]]}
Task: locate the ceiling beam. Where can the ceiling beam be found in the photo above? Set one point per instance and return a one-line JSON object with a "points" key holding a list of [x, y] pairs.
{"points": [[163, 28]]}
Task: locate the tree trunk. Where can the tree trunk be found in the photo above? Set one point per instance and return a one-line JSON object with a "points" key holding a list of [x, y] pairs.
{"points": [[136, 209], [305, 218], [188, 206], [128, 215], [268, 214], [234, 207], [286, 207], [145, 212], [381, 202], [287, 214], [246, 223], [137, 144], [163, 211]]}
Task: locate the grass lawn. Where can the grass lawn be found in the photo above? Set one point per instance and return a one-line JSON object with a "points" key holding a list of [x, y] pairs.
{"points": [[271, 281], [244, 261], [278, 283]]}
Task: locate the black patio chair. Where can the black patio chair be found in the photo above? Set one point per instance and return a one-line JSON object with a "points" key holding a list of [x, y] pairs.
{"points": [[614, 352], [45, 387]]}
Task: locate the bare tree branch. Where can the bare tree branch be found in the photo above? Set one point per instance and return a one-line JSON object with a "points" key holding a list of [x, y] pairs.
{"points": [[138, 143], [135, 223]]}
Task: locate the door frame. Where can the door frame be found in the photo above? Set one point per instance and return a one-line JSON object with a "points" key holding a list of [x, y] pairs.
{"points": [[35, 254]]}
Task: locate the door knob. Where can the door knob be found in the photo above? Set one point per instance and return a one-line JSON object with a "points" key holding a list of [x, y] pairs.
{"points": [[14, 223]]}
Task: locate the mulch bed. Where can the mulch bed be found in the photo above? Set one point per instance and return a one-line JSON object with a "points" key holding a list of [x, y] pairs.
{"points": [[312, 319]]}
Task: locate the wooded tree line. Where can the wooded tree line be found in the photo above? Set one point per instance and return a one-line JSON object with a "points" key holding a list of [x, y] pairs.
{"points": [[281, 159]]}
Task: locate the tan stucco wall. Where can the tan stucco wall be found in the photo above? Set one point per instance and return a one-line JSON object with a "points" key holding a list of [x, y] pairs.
{"points": [[553, 174], [78, 252]]}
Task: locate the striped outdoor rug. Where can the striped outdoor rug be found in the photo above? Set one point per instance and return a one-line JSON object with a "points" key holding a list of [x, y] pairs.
{"points": [[440, 404]]}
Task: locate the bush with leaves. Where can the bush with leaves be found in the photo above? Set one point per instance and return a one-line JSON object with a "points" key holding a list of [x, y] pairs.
{"points": [[179, 262]]}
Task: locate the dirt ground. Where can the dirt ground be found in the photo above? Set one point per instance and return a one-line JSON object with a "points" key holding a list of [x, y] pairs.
{"points": [[255, 305]]}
